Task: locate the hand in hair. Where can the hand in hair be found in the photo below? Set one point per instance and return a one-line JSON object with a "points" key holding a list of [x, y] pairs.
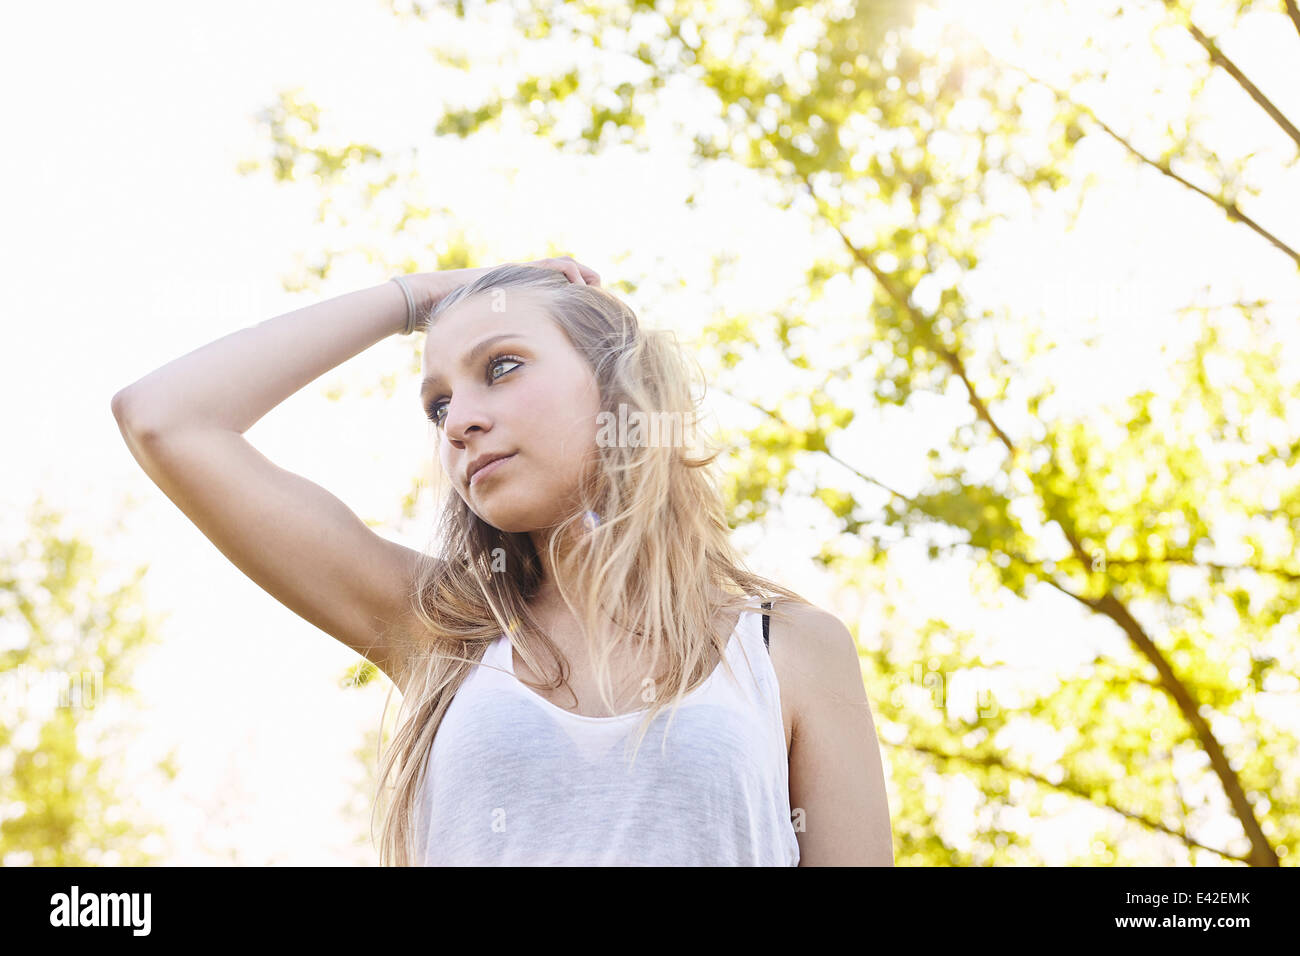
{"points": [[431, 287], [574, 270]]}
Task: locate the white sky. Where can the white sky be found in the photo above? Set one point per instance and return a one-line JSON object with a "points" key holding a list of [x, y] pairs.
{"points": [[129, 240]]}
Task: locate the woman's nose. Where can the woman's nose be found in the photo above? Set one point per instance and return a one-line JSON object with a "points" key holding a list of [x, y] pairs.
{"points": [[464, 417]]}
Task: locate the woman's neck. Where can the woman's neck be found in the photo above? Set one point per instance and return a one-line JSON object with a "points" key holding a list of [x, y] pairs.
{"points": [[550, 609]]}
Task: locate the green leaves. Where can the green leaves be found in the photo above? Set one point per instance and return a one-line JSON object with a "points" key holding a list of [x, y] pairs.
{"points": [[73, 635]]}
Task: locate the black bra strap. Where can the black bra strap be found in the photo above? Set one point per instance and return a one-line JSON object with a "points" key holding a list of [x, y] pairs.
{"points": [[768, 606]]}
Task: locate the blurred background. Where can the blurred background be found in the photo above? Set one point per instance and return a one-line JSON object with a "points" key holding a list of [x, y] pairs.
{"points": [[997, 306]]}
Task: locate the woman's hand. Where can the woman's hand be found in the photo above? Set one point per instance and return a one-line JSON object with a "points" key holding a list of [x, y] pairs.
{"points": [[430, 288], [574, 270]]}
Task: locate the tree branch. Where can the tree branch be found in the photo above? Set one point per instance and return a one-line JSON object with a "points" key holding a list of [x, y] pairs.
{"points": [[1192, 562], [1294, 13], [1219, 58], [1230, 208], [1075, 790], [833, 457], [1262, 853], [922, 322], [1089, 562]]}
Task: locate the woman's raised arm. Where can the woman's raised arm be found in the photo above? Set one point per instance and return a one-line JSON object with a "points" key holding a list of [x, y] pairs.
{"points": [[184, 424]]}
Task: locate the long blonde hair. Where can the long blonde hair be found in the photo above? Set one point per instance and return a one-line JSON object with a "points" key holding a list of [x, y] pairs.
{"points": [[657, 561]]}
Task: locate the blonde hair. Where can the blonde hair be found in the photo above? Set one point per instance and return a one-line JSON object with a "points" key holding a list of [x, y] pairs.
{"points": [[658, 562]]}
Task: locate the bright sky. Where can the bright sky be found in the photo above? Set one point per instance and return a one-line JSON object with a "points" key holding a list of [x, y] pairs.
{"points": [[130, 240]]}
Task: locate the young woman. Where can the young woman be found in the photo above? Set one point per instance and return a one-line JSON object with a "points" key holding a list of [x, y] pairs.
{"points": [[581, 592]]}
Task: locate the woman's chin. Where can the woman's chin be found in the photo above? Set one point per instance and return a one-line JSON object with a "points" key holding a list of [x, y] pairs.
{"points": [[507, 519], [501, 505]]}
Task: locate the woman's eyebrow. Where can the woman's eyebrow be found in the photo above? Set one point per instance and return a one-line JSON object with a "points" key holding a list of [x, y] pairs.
{"points": [[433, 380]]}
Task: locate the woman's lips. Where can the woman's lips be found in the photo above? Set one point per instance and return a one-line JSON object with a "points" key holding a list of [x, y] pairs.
{"points": [[488, 469]]}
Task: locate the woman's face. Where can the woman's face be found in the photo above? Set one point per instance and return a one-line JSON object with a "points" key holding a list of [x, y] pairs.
{"points": [[500, 378]]}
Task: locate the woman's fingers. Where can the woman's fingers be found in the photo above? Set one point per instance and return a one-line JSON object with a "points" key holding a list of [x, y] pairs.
{"points": [[573, 270]]}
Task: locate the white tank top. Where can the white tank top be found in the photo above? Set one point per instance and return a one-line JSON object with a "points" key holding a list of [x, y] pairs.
{"points": [[515, 780]]}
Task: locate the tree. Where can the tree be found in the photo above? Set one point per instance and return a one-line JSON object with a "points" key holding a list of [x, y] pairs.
{"points": [[1156, 528], [70, 640]]}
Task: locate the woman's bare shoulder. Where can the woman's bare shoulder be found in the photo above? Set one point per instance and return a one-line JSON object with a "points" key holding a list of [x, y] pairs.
{"points": [[811, 648]]}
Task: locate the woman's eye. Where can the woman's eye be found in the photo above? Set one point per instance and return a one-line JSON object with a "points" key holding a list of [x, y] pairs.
{"points": [[436, 411], [500, 359]]}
